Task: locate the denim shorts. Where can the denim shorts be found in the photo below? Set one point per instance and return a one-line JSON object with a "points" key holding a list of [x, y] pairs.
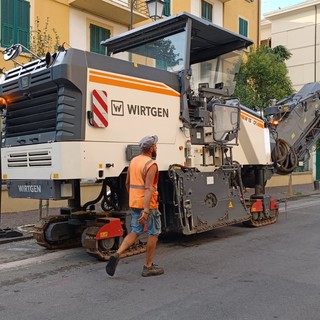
{"points": [[153, 224]]}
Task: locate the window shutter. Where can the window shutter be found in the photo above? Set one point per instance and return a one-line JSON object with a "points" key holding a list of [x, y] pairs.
{"points": [[166, 8], [7, 23], [243, 27], [98, 34], [23, 23], [15, 22]]}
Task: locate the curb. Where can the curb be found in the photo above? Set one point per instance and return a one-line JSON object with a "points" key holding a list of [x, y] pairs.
{"points": [[26, 235], [15, 239]]}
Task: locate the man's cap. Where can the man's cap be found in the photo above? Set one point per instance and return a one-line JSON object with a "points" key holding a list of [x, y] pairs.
{"points": [[148, 141]]}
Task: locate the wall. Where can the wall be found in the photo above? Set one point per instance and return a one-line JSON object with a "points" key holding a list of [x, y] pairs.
{"points": [[217, 15], [58, 13], [297, 178], [250, 11], [79, 25], [299, 31], [180, 6]]}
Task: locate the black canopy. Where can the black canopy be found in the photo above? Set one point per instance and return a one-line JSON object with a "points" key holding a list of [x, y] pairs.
{"points": [[207, 39]]}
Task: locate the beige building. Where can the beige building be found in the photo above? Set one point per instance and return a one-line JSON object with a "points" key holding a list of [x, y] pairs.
{"points": [[296, 28]]}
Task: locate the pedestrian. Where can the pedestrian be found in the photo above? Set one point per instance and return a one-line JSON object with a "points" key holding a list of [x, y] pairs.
{"points": [[141, 183]]}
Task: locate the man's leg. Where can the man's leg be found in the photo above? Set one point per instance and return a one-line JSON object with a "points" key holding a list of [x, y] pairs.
{"points": [[114, 259], [127, 242], [151, 269], [151, 248]]}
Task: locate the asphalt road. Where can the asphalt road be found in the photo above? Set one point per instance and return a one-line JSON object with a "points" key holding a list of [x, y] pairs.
{"points": [[231, 273]]}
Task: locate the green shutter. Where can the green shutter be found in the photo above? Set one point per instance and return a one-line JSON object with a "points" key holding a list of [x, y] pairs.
{"points": [[98, 34], [317, 164], [243, 27], [7, 23], [23, 23], [15, 22], [166, 8]]}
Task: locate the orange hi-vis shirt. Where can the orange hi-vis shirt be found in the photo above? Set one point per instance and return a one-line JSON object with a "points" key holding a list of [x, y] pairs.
{"points": [[139, 167]]}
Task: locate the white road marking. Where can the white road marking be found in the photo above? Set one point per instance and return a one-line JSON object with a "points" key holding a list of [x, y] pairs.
{"points": [[37, 260]]}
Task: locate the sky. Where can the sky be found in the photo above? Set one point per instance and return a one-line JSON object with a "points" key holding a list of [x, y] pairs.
{"points": [[273, 5]]}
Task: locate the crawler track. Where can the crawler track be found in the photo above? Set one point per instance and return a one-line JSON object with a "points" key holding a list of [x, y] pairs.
{"points": [[261, 219], [92, 247], [40, 237], [261, 222], [87, 240]]}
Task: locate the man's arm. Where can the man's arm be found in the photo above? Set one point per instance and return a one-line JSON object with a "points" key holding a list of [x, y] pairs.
{"points": [[128, 179], [149, 188]]}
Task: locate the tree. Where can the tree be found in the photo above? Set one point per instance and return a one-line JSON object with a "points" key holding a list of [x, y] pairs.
{"points": [[264, 76], [43, 40], [166, 52]]}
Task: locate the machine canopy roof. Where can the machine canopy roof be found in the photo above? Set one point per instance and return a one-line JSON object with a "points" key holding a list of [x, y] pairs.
{"points": [[208, 40]]}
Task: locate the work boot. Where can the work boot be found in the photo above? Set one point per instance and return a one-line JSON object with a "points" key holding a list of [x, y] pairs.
{"points": [[154, 270], [112, 264]]}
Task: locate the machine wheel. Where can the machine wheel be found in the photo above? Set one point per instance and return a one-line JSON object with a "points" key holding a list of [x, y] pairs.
{"points": [[106, 244]]}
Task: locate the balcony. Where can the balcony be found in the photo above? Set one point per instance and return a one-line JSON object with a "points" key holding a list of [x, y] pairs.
{"points": [[114, 10]]}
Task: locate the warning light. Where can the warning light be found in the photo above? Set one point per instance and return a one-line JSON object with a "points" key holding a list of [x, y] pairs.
{"points": [[274, 123], [3, 103]]}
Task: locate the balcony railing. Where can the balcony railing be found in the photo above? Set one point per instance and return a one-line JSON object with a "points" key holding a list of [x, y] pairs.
{"points": [[114, 10]]}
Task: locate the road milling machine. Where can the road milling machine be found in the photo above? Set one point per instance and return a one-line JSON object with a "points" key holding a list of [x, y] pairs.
{"points": [[75, 116]]}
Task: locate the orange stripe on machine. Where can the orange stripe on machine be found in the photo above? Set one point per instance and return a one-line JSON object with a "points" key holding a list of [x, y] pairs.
{"points": [[245, 116], [131, 83]]}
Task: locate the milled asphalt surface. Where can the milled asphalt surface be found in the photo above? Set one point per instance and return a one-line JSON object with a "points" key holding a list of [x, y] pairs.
{"points": [[21, 221]]}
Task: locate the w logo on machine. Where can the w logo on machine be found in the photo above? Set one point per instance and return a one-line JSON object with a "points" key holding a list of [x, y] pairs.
{"points": [[100, 108]]}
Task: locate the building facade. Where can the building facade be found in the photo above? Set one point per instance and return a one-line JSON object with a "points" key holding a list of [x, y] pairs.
{"points": [[243, 16], [298, 29], [83, 24]]}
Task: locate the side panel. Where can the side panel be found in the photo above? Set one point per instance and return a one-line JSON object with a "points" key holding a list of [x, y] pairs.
{"points": [[77, 160], [135, 107], [254, 141], [207, 201]]}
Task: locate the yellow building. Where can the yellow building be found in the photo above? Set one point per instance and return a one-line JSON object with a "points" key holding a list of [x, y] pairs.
{"points": [[83, 24], [243, 16]]}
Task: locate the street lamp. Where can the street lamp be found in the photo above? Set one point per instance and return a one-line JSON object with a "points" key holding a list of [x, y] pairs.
{"points": [[155, 8]]}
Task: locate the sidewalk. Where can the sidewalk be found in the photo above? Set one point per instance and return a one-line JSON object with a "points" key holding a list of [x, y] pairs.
{"points": [[299, 190], [19, 220]]}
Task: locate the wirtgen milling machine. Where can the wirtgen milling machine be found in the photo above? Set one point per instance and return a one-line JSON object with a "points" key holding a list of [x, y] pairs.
{"points": [[75, 116]]}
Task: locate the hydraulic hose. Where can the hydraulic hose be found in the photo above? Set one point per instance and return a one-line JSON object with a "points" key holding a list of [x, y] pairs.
{"points": [[284, 157]]}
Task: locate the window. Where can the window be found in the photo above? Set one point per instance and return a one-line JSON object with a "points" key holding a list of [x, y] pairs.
{"points": [[98, 34], [206, 10], [218, 72], [167, 53], [243, 27], [166, 8], [15, 22]]}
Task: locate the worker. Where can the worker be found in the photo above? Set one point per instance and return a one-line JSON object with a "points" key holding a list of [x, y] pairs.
{"points": [[141, 183]]}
